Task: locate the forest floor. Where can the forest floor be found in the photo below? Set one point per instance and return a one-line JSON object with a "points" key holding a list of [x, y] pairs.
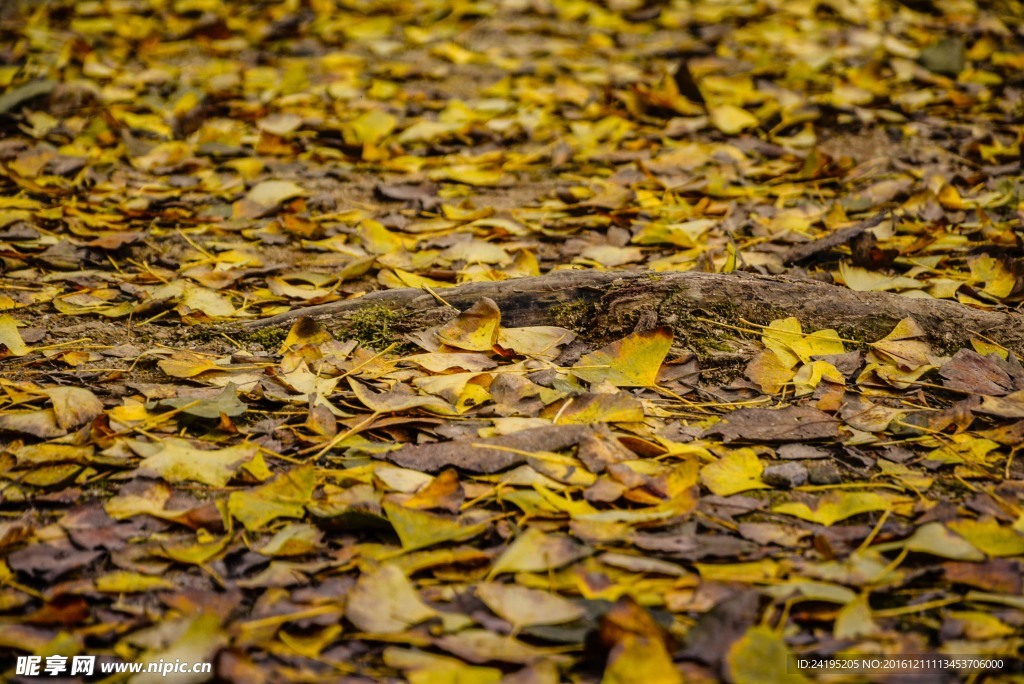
{"points": [[597, 489]]}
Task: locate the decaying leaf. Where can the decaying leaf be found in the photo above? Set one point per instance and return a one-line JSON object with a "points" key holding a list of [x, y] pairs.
{"points": [[523, 607], [535, 551], [790, 424], [285, 496], [385, 602], [176, 460]]}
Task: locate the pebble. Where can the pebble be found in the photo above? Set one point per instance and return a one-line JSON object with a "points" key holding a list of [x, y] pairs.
{"points": [[824, 473], [785, 475]]}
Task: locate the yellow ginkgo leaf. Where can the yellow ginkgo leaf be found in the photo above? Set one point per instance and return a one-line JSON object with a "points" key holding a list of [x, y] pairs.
{"points": [[988, 535], [737, 471], [535, 551], [768, 372], [818, 343], [265, 197], [998, 280], [836, 506], [126, 582], [855, 619], [811, 374], [760, 657], [731, 119], [420, 529], [10, 339], [176, 460], [780, 336], [475, 329], [863, 280], [285, 496], [936, 539], [371, 127], [305, 332], [468, 174], [633, 361], [384, 601]]}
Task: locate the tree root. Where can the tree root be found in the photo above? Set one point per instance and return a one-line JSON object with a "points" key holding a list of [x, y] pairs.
{"points": [[705, 309]]}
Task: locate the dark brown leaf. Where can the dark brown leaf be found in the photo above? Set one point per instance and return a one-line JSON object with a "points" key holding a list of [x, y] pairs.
{"points": [[789, 424]]}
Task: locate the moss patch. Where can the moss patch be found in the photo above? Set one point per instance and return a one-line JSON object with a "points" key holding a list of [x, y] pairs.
{"points": [[697, 329], [573, 315], [375, 326], [270, 338]]}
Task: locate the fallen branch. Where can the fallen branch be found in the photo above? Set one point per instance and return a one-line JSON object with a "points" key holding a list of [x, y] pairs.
{"points": [[601, 304], [805, 251]]}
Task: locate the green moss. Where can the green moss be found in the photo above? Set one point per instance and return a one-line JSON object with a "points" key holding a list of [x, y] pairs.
{"points": [[702, 338], [868, 329], [269, 338], [699, 329], [375, 326], [573, 315], [197, 333]]}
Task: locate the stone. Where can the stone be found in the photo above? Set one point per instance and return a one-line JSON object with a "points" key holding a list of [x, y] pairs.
{"points": [[824, 473], [785, 475]]}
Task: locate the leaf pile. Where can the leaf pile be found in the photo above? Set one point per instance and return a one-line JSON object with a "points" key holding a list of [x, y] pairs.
{"points": [[481, 502]]}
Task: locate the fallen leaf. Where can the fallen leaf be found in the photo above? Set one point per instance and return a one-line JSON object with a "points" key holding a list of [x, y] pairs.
{"points": [[969, 371], [789, 424], [855, 620], [995, 540], [523, 607], [637, 646], [633, 361], [385, 602], [285, 496], [936, 539], [483, 646], [475, 329], [264, 198], [535, 551], [731, 119], [176, 460], [738, 471], [10, 338], [487, 455], [420, 529], [835, 506], [74, 406], [760, 657]]}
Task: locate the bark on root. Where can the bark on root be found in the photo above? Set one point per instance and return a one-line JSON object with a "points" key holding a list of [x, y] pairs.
{"points": [[699, 307]]}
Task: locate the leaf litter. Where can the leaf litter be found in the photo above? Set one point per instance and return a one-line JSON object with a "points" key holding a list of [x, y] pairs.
{"points": [[483, 501]]}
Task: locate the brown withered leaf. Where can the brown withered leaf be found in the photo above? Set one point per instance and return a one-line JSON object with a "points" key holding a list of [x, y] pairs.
{"points": [[40, 423], [716, 630], [49, 562], [1009, 406], [74, 406], [789, 424], [998, 575], [488, 455], [969, 371], [484, 646], [599, 449], [423, 196]]}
